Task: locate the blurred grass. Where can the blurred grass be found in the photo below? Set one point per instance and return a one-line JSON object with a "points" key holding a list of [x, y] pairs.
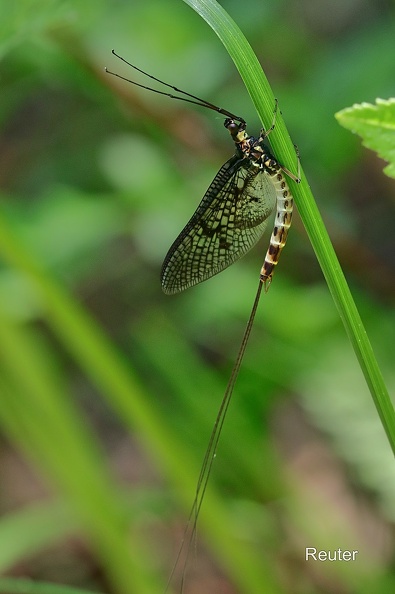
{"points": [[96, 180]]}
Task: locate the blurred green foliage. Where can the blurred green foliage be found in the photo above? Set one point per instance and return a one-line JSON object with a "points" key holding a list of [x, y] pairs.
{"points": [[96, 180]]}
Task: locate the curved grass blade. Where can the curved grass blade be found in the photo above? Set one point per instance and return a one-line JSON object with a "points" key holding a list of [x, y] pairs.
{"points": [[262, 96]]}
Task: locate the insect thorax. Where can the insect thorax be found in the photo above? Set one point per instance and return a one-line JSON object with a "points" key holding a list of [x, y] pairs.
{"points": [[250, 147]]}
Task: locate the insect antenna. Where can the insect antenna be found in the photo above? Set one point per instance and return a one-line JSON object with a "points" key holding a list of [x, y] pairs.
{"points": [[193, 98]]}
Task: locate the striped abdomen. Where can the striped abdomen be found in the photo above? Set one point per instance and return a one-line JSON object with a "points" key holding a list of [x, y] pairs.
{"points": [[282, 224]]}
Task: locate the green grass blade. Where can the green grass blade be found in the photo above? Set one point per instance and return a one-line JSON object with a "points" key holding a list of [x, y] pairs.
{"points": [[39, 525], [40, 418], [263, 98]]}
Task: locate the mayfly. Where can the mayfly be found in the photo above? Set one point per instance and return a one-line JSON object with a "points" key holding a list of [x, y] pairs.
{"points": [[228, 222]]}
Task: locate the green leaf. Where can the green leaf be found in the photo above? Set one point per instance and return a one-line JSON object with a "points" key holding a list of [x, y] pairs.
{"points": [[376, 126]]}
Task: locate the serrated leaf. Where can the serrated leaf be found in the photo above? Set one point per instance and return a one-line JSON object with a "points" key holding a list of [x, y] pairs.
{"points": [[376, 126]]}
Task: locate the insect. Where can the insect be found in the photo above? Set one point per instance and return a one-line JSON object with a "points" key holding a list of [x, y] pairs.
{"points": [[228, 222], [234, 211]]}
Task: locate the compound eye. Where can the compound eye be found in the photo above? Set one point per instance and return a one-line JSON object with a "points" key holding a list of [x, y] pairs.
{"points": [[231, 126]]}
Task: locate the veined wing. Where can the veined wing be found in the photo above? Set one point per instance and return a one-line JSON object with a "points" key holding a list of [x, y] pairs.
{"points": [[229, 220]]}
